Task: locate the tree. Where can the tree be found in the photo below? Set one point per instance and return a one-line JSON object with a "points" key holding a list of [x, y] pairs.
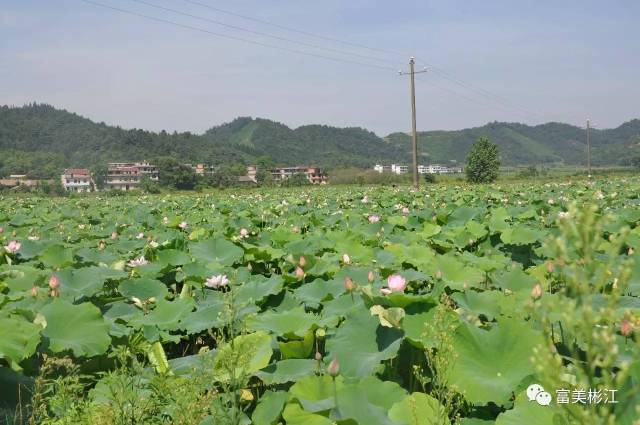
{"points": [[174, 174], [483, 162], [149, 186]]}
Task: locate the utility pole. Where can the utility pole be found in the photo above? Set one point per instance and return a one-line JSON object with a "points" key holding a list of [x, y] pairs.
{"points": [[414, 128], [589, 148]]}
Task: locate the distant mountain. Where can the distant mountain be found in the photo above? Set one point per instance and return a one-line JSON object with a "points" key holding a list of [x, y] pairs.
{"points": [[41, 140], [521, 144]]}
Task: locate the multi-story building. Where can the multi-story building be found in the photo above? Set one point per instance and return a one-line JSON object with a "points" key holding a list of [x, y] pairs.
{"points": [[127, 175], [422, 169], [315, 175], [77, 180], [202, 169]]}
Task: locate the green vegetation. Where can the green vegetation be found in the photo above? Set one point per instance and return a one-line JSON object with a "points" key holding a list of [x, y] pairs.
{"points": [[40, 141], [321, 305], [483, 162]]}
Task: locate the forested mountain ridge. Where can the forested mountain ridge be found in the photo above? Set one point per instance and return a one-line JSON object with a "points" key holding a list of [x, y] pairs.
{"points": [[40, 140]]}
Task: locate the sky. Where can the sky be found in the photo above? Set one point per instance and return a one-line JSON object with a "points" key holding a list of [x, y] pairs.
{"points": [[530, 61]]}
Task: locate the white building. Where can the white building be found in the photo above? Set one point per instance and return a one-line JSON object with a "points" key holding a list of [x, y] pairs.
{"points": [[77, 180], [422, 169], [127, 175]]}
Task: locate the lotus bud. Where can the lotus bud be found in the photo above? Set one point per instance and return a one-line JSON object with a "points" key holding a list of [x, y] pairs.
{"points": [[14, 234], [299, 273], [34, 291], [334, 368], [302, 262], [249, 267], [114, 235], [349, 285], [101, 246], [346, 259], [536, 292], [439, 275], [371, 277], [1, 229], [626, 328], [550, 267], [54, 282], [318, 356], [396, 283]]}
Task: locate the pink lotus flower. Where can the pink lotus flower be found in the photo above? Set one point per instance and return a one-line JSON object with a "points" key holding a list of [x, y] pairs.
{"points": [[536, 292], [140, 235], [374, 218], [140, 261], [346, 259], [244, 233], [299, 273], [1, 229], [365, 200], [218, 281], [13, 247], [334, 368], [54, 282], [183, 225], [405, 210], [396, 283], [626, 328]]}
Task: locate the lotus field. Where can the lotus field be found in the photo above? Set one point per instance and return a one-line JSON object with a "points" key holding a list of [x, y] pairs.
{"points": [[476, 305]]}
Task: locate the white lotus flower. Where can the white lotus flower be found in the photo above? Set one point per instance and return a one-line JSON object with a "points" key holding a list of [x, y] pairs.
{"points": [[217, 281], [140, 261]]}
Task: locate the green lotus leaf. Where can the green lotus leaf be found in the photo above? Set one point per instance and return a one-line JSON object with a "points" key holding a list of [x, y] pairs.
{"points": [[368, 401], [316, 393], [258, 289], [173, 257], [294, 321], [143, 289], [168, 314], [509, 345], [294, 415], [514, 280], [219, 251], [57, 256], [419, 409], [521, 235], [527, 412], [244, 357], [79, 328], [18, 339], [360, 344], [455, 274], [290, 370], [297, 348], [269, 408]]}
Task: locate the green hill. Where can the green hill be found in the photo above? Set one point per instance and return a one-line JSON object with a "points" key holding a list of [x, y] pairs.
{"points": [[40, 140]]}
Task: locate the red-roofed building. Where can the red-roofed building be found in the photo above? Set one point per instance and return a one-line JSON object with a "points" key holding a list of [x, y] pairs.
{"points": [[77, 180]]}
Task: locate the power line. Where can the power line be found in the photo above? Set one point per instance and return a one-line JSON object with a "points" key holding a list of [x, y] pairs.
{"points": [[438, 71], [286, 28], [260, 33], [232, 37]]}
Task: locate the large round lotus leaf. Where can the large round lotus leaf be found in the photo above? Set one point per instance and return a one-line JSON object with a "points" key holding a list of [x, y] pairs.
{"points": [[269, 408], [368, 401], [294, 321], [294, 415], [290, 370], [360, 344], [80, 328], [419, 409], [455, 273], [521, 235], [18, 338], [514, 280], [258, 289], [86, 282], [316, 393], [628, 397], [527, 412], [173, 257], [168, 314], [57, 256], [486, 303], [219, 251], [143, 289], [205, 317], [245, 356], [490, 364]]}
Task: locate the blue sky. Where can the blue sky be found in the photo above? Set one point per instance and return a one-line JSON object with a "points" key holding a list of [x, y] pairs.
{"points": [[526, 61]]}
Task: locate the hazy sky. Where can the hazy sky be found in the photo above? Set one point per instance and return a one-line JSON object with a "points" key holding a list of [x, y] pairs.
{"points": [[528, 61]]}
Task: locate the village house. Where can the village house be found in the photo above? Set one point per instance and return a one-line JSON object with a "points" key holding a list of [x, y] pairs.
{"points": [[77, 180], [315, 175], [127, 175]]}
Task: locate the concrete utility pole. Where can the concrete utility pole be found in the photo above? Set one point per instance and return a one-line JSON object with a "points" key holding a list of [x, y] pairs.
{"points": [[589, 148], [414, 128]]}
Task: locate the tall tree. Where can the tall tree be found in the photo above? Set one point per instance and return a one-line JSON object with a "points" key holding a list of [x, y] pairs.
{"points": [[483, 162]]}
